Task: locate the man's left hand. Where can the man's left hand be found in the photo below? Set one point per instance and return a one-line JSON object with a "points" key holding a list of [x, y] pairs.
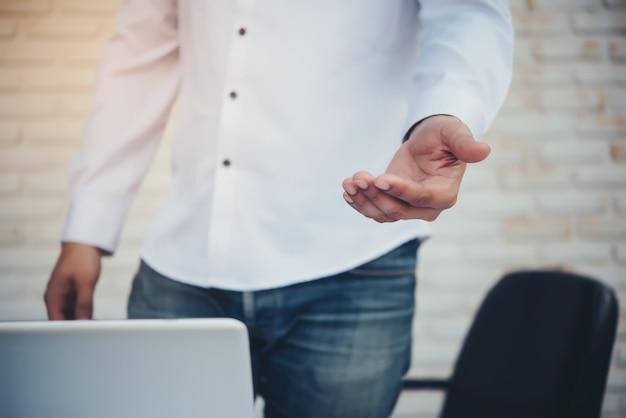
{"points": [[424, 176]]}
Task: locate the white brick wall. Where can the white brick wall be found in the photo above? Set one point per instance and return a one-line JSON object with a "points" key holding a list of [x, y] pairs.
{"points": [[553, 193]]}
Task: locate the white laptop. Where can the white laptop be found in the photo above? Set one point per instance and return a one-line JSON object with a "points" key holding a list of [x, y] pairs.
{"points": [[187, 368]]}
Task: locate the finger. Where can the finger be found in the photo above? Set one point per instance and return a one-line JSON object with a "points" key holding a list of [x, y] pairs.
{"points": [[354, 188], [461, 143], [54, 307], [84, 301], [59, 297], [395, 209], [361, 204], [437, 194]]}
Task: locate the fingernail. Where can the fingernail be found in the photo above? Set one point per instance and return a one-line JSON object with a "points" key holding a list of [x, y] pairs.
{"points": [[347, 198], [382, 185], [349, 189], [361, 183]]}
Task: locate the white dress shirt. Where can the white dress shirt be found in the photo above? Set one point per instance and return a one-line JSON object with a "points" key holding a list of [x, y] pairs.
{"points": [[277, 102]]}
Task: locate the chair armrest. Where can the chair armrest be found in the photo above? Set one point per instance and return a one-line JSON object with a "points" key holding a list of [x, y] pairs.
{"points": [[426, 384]]}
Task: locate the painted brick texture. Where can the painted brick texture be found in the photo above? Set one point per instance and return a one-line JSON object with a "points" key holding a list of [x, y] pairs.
{"points": [[552, 194]]}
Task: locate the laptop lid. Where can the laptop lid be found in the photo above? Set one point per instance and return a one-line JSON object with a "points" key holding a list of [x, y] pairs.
{"points": [[188, 368]]}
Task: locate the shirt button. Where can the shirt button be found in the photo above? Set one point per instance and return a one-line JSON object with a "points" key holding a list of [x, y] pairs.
{"points": [[233, 94], [226, 162], [242, 31]]}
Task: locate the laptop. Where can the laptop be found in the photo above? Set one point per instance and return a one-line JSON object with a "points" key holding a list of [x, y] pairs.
{"points": [[188, 368]]}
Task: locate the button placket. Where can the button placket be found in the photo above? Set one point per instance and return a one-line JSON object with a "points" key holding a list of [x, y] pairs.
{"points": [[221, 218]]}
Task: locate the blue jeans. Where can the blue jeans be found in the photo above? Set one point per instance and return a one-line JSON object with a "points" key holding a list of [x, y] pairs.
{"points": [[332, 347]]}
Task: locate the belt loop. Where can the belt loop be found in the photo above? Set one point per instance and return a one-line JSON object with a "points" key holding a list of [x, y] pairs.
{"points": [[248, 306]]}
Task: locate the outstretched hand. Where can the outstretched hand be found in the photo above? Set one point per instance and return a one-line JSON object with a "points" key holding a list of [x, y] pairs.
{"points": [[424, 176]]}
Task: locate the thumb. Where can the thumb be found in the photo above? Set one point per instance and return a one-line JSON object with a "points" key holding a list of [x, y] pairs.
{"points": [[84, 301], [464, 147]]}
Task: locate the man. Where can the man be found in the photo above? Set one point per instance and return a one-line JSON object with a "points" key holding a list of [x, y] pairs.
{"points": [[278, 101]]}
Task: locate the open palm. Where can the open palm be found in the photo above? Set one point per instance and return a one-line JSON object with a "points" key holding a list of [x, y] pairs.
{"points": [[423, 177]]}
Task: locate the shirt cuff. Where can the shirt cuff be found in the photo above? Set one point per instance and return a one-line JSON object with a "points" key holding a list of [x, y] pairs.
{"points": [[95, 222], [448, 101]]}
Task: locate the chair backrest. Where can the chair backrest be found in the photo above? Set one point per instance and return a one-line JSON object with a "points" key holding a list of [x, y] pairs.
{"points": [[540, 346]]}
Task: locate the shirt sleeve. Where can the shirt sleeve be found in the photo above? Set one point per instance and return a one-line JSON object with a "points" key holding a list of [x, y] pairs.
{"points": [[137, 83], [464, 61]]}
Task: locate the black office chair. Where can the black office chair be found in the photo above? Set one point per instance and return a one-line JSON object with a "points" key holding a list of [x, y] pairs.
{"points": [[540, 346]]}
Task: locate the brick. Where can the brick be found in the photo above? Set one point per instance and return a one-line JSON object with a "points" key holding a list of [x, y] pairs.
{"points": [[616, 101], [601, 126], [506, 153], [25, 55], [533, 229], [557, 151], [562, 5], [20, 7], [544, 74], [57, 81], [614, 4], [156, 182], [499, 253], [76, 106], [23, 310], [571, 100], [520, 101], [93, 8], [571, 202], [570, 49], [599, 22], [462, 228], [604, 229], [9, 134], [8, 29], [620, 256], [534, 126], [609, 273], [618, 153], [602, 74], [10, 235], [64, 29], [45, 183], [9, 82], [54, 133], [461, 276], [610, 405], [32, 208], [20, 261], [435, 304], [489, 204], [27, 107], [617, 380], [147, 206], [603, 176], [523, 52], [36, 159], [46, 234], [540, 24], [518, 6], [86, 55], [617, 49], [575, 252], [444, 329], [536, 178], [9, 183], [619, 201]]}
